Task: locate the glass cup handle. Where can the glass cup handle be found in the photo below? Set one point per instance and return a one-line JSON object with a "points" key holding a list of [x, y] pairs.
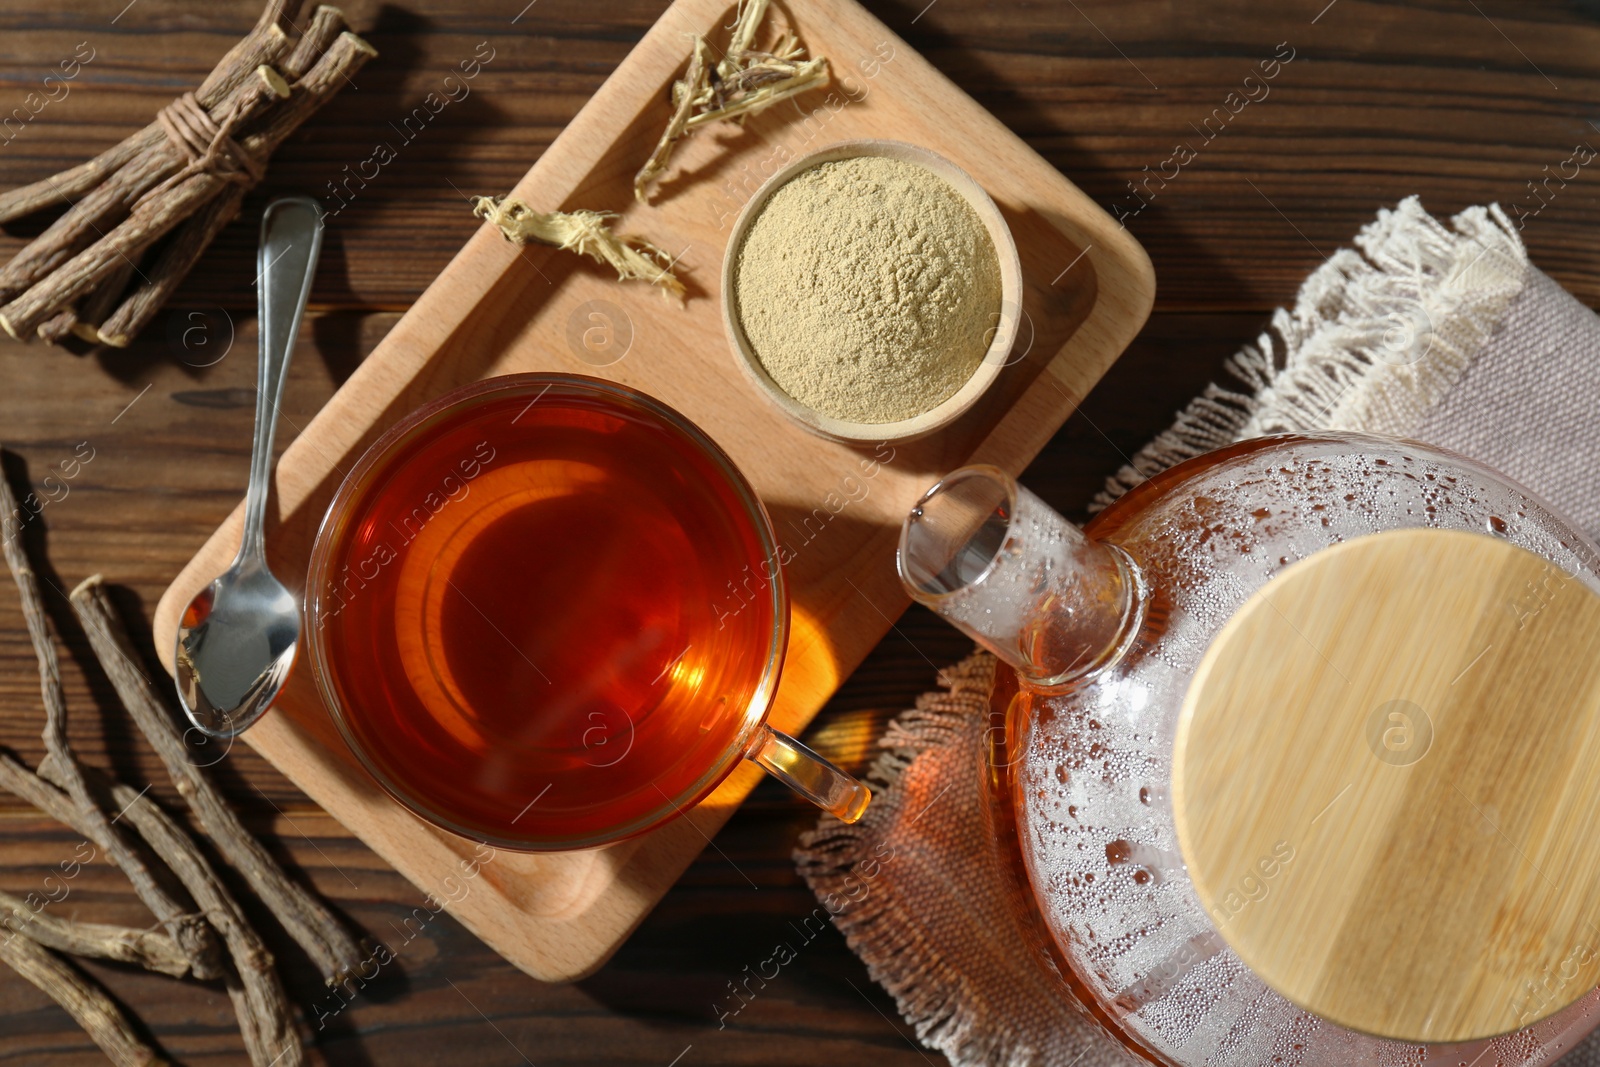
{"points": [[808, 774]]}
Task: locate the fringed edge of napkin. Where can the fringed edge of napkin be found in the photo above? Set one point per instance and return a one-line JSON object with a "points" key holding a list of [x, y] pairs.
{"points": [[1438, 294], [931, 995]]}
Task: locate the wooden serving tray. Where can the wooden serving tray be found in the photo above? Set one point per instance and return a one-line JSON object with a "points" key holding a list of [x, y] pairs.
{"points": [[499, 309]]}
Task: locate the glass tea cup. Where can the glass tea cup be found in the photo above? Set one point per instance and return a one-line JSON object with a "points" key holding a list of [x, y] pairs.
{"points": [[546, 611]]}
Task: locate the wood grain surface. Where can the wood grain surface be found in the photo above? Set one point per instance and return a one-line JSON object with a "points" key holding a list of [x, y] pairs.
{"points": [[1460, 102], [1084, 289], [1325, 745]]}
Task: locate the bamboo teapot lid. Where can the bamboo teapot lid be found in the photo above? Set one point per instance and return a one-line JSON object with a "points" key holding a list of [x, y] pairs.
{"points": [[1387, 785]]}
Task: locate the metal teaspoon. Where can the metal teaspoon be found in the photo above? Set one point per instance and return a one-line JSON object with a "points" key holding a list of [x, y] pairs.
{"points": [[237, 639]]}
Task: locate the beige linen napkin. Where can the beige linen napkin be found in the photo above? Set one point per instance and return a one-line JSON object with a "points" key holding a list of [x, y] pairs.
{"points": [[1441, 334]]}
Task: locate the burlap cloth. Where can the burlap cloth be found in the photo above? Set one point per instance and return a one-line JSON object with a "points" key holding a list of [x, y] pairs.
{"points": [[1441, 334]]}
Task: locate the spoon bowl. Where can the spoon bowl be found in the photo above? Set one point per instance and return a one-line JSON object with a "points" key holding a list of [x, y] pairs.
{"points": [[239, 636]]}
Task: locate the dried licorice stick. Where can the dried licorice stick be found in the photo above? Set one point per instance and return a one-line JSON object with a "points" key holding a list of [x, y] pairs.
{"points": [[84, 1000], [343, 57], [263, 44], [60, 326], [258, 997], [62, 765], [307, 919], [265, 1020], [150, 949], [326, 24], [110, 201], [28, 786], [29, 281], [82, 318], [93, 309]]}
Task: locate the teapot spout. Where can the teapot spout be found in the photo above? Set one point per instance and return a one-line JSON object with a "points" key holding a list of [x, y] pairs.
{"points": [[1015, 576]]}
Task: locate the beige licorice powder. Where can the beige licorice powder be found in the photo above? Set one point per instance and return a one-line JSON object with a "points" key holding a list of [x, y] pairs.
{"points": [[868, 288]]}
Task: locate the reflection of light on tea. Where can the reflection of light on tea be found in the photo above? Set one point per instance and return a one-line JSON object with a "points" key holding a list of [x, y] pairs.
{"points": [[688, 674], [548, 629]]}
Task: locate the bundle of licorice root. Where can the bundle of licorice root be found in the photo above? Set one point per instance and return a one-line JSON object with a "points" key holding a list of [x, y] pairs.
{"points": [[200, 930], [142, 212]]}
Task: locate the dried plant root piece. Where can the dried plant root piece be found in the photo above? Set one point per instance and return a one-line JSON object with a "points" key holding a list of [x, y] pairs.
{"points": [[264, 44], [150, 949], [687, 93], [265, 1020], [761, 87], [330, 946], [585, 232], [84, 1000], [62, 767], [169, 175], [30, 788], [742, 83], [60, 326], [328, 72], [324, 27], [111, 202], [93, 309]]}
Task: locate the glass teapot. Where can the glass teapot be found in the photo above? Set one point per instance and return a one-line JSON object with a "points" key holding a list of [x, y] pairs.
{"points": [[1198, 670]]}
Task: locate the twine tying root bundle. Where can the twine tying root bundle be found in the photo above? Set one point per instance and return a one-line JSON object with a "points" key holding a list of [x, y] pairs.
{"points": [[96, 272]]}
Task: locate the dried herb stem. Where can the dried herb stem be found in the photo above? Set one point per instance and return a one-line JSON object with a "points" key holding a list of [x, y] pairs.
{"points": [[93, 309], [60, 326], [259, 1001], [130, 196], [313, 926], [327, 23], [163, 191], [150, 949], [30, 786], [265, 1020], [62, 765], [685, 98], [344, 56], [585, 232], [263, 45], [84, 1000], [742, 83], [111, 201]]}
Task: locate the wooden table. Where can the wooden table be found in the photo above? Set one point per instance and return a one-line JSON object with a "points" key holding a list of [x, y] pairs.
{"points": [[1461, 102]]}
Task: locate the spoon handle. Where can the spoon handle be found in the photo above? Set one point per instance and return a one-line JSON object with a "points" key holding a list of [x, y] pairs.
{"points": [[291, 241]]}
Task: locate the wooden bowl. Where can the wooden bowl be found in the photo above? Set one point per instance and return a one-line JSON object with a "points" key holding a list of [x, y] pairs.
{"points": [[987, 370]]}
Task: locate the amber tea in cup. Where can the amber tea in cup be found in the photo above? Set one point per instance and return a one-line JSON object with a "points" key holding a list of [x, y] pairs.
{"points": [[522, 616]]}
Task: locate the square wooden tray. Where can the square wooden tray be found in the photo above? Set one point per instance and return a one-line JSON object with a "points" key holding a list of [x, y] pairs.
{"points": [[498, 309]]}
